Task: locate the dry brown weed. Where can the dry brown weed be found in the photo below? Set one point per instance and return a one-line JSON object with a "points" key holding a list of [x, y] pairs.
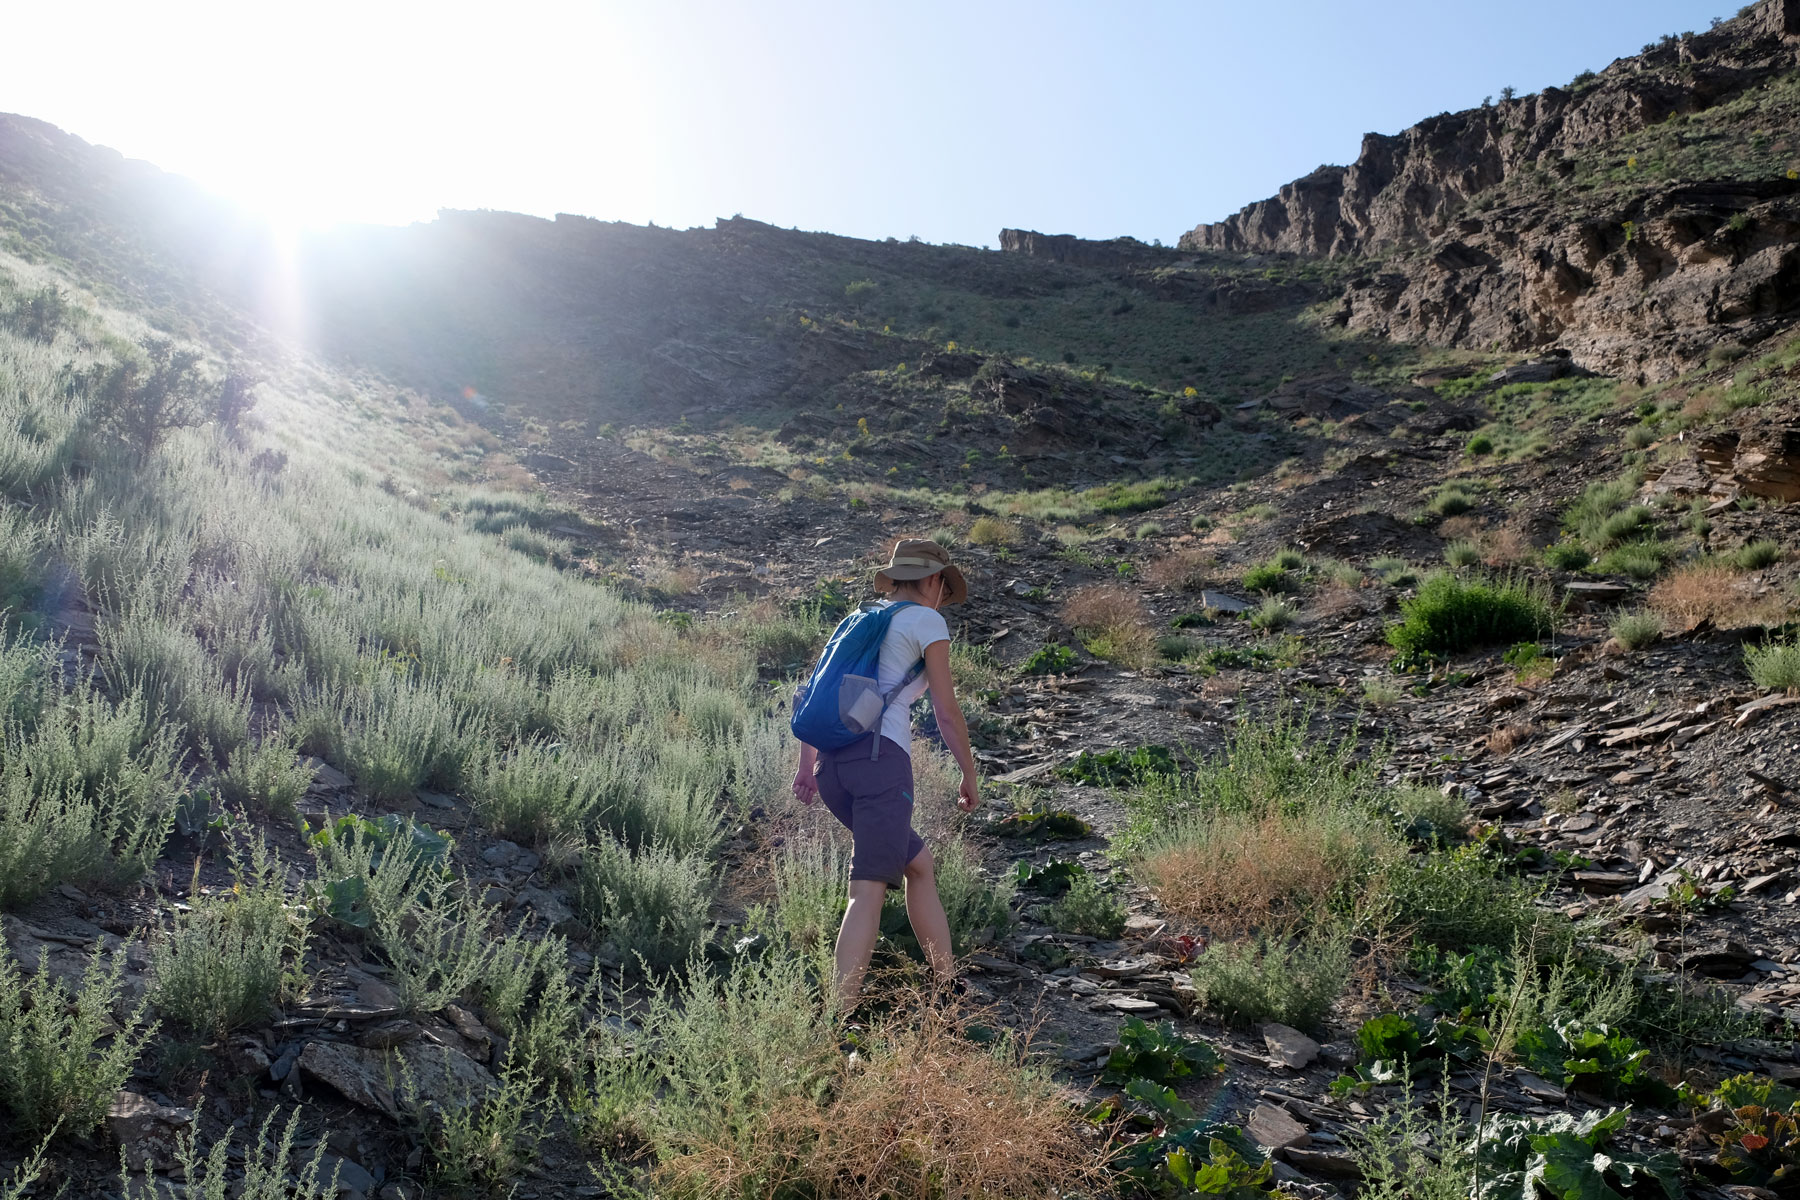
{"points": [[923, 1113], [1187, 570], [1242, 873], [1717, 593], [1103, 606], [1507, 738]]}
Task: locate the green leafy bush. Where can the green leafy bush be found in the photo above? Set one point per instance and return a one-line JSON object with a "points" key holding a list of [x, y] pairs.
{"points": [[1449, 615], [1120, 768], [1760, 1146], [62, 1055], [1053, 659], [1159, 1053], [1188, 1157], [1593, 1057], [1050, 879], [1401, 1047], [1568, 1156], [1566, 556]]}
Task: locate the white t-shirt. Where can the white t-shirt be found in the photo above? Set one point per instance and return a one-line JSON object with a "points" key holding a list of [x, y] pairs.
{"points": [[912, 629]]}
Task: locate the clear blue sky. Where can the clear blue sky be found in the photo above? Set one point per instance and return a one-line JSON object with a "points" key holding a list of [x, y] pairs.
{"points": [[945, 120]]}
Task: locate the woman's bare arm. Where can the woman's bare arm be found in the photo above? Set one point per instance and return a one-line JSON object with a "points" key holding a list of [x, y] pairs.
{"points": [[950, 721]]}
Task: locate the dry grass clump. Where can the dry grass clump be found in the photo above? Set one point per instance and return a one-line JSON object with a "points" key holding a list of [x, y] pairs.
{"points": [[1508, 546], [1714, 591], [920, 1112], [1238, 872], [1112, 623], [1507, 738], [994, 531], [1185, 570]]}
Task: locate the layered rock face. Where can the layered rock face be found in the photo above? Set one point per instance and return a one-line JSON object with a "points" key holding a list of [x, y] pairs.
{"points": [[1646, 291], [1643, 285]]}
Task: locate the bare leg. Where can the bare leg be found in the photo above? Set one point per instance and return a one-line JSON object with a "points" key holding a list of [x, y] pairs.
{"points": [[856, 938], [926, 912]]}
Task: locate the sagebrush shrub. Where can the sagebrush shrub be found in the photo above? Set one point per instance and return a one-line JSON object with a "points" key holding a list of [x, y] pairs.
{"points": [[1273, 615], [1641, 560], [266, 777], [1241, 871], [1756, 555], [994, 531], [400, 737], [483, 1138], [394, 883], [1460, 899], [1271, 978], [1567, 556], [1774, 665], [652, 904], [62, 1055], [1451, 500], [537, 790], [1636, 629], [1462, 554], [1267, 577], [979, 912], [225, 962], [527, 994], [1449, 615], [268, 1170], [86, 795], [1087, 909], [811, 876]]}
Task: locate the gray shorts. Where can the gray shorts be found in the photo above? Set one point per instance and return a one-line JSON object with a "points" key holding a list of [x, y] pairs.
{"points": [[874, 801]]}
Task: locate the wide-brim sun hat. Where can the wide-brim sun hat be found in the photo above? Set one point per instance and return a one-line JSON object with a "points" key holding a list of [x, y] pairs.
{"points": [[919, 558]]}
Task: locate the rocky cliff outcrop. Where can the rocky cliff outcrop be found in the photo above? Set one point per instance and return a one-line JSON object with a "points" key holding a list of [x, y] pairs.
{"points": [[1409, 187], [1507, 226], [1647, 288], [1082, 252]]}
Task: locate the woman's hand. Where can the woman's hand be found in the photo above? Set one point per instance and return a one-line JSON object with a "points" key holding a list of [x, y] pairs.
{"points": [[806, 787], [970, 793]]}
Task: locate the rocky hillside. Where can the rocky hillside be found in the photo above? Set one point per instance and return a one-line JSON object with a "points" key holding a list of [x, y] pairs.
{"points": [[1639, 217]]}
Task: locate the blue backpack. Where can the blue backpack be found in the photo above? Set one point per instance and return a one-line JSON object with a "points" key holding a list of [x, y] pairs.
{"points": [[842, 700]]}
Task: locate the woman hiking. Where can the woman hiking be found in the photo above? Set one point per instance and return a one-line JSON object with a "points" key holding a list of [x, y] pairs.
{"points": [[868, 783]]}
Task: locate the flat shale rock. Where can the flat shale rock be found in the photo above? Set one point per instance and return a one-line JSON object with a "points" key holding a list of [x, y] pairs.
{"points": [[145, 1129], [1289, 1047], [1273, 1128], [391, 1082]]}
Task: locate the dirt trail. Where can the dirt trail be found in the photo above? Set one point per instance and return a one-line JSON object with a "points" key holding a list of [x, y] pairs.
{"points": [[1630, 771]]}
